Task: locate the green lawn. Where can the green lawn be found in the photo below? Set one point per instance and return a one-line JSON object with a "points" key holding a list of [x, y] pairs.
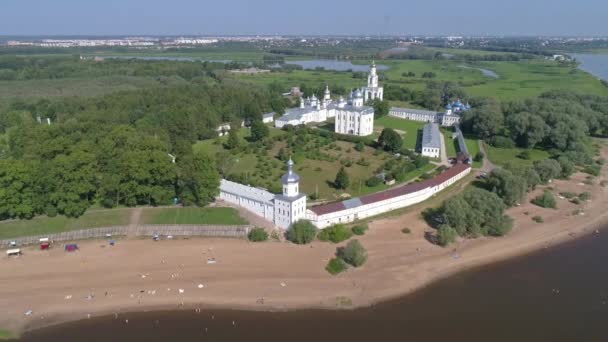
{"points": [[408, 126], [192, 215], [450, 143], [7, 335], [49, 225], [502, 156]]}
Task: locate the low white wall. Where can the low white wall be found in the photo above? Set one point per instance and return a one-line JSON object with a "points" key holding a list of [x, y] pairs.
{"points": [[372, 209]]}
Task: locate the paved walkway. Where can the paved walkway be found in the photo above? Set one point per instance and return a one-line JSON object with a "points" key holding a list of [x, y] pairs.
{"points": [[443, 153]]}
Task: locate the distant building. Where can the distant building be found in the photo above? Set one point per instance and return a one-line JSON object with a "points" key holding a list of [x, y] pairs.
{"points": [[431, 141], [268, 117], [352, 117], [451, 116], [295, 91]]}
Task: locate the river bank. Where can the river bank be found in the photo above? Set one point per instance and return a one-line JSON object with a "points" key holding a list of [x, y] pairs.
{"points": [[140, 275]]}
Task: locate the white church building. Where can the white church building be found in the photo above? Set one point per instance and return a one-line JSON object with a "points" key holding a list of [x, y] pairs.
{"points": [[373, 90], [352, 116]]}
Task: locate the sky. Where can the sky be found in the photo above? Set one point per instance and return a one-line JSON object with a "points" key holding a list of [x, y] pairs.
{"points": [[309, 17]]}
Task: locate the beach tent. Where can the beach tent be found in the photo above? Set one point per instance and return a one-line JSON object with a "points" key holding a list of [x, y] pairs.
{"points": [[71, 247], [13, 252]]}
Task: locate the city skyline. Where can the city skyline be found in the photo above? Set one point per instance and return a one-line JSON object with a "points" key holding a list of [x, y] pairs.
{"points": [[315, 17]]}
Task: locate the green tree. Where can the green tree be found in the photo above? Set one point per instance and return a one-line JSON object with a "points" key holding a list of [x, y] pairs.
{"points": [[257, 235], [302, 232], [479, 156], [353, 253], [485, 119], [233, 139], [336, 233], [546, 200], [390, 140], [198, 179], [18, 189], [342, 180], [381, 108], [335, 266], [259, 130], [507, 186], [566, 165], [547, 169], [446, 235]]}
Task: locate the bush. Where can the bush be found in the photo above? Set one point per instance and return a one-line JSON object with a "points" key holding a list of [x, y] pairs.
{"points": [[335, 234], [584, 196], [335, 266], [546, 200], [353, 254], [501, 142], [568, 194], [359, 229], [525, 155], [50, 211], [302, 232], [446, 235], [538, 219], [575, 201], [593, 170], [373, 181], [257, 234], [479, 157], [359, 146], [406, 230]]}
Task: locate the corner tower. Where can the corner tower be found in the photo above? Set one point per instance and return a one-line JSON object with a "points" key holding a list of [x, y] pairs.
{"points": [[290, 206]]}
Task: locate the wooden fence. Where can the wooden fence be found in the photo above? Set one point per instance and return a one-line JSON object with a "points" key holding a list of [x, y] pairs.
{"points": [[142, 230], [192, 230]]}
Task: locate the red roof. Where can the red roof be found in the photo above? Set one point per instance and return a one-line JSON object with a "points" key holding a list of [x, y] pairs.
{"points": [[394, 192]]}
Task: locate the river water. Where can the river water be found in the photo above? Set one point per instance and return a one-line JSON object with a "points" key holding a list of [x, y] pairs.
{"points": [[595, 64], [555, 294], [332, 64]]}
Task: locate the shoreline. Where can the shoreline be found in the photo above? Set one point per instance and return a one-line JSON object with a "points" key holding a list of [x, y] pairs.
{"points": [[287, 276]]}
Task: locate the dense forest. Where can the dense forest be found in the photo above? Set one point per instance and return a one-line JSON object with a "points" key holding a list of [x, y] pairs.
{"points": [[118, 149]]}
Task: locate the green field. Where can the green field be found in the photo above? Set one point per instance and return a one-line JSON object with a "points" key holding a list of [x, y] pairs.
{"points": [[408, 126], [502, 156], [49, 225], [67, 87], [192, 215], [517, 80]]}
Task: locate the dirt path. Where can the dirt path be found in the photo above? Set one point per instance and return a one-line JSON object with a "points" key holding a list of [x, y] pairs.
{"points": [[487, 166], [134, 220]]}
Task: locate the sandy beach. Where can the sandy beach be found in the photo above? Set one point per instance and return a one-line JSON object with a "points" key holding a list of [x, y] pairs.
{"points": [[141, 275]]}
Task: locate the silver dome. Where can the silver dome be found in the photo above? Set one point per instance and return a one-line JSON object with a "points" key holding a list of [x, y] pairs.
{"points": [[290, 176]]}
